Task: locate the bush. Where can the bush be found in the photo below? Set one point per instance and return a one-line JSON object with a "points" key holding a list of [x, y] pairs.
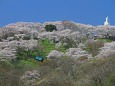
{"points": [[5, 36], [50, 27], [93, 47], [22, 54], [9, 76], [83, 58], [110, 80], [95, 72], [12, 71], [26, 38]]}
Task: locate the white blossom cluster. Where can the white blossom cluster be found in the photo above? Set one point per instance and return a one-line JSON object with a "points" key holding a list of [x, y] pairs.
{"points": [[67, 31], [77, 53], [71, 52], [8, 49], [58, 36], [104, 30], [7, 31], [107, 50], [7, 53], [27, 44], [99, 31], [25, 25], [27, 28], [30, 77], [54, 54], [32, 28]]}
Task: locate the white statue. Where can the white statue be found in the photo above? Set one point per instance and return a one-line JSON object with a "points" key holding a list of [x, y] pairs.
{"points": [[107, 21]]}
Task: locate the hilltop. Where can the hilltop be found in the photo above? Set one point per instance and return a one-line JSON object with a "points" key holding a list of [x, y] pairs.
{"points": [[26, 34], [74, 54]]}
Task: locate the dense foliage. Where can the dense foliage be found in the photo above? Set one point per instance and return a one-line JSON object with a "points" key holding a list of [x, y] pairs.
{"points": [[50, 27], [64, 71], [93, 47]]}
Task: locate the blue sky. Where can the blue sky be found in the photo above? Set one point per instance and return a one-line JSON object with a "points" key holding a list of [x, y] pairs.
{"points": [[83, 11]]}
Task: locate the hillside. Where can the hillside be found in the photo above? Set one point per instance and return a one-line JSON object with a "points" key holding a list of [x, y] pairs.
{"points": [[73, 54]]}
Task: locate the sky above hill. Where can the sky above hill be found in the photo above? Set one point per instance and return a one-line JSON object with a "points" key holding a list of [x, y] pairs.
{"points": [[83, 11]]}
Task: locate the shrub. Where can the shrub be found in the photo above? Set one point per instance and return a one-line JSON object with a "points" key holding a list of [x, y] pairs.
{"points": [[22, 54], [12, 71], [69, 25], [26, 38], [93, 47], [50, 27], [5, 36], [96, 71], [83, 58], [9, 76], [61, 72], [110, 80]]}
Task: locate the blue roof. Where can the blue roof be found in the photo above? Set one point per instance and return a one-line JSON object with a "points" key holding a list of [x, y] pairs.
{"points": [[39, 58]]}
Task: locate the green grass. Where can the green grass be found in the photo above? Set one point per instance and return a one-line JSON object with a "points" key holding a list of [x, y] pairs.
{"points": [[104, 40], [48, 46], [27, 64]]}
